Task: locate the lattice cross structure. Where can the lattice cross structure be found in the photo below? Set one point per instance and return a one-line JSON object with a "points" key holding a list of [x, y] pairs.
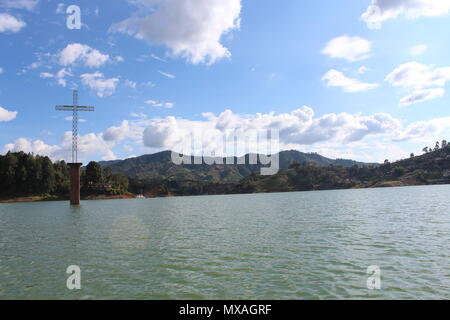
{"points": [[75, 108]]}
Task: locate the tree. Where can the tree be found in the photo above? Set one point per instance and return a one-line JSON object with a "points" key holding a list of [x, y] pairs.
{"points": [[93, 172], [48, 176], [437, 147], [444, 144], [425, 150], [107, 174], [412, 155], [119, 181], [399, 171]]}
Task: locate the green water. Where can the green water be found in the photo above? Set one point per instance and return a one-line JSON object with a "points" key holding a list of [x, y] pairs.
{"points": [[306, 245]]}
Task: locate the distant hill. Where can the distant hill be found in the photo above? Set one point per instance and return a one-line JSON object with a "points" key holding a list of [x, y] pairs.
{"points": [[160, 166], [430, 168]]}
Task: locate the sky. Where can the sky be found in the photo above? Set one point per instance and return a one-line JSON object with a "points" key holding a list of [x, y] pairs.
{"points": [[357, 79]]}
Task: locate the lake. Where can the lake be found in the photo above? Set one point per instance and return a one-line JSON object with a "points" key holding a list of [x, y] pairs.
{"points": [[303, 245]]}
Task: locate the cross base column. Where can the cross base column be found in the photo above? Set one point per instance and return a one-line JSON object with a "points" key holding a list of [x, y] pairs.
{"points": [[74, 172]]}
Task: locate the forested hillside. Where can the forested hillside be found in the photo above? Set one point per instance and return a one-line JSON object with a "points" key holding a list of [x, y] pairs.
{"points": [[431, 168], [25, 175], [159, 166]]}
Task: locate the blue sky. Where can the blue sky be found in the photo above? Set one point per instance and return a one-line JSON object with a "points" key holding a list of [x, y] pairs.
{"points": [[355, 79]]}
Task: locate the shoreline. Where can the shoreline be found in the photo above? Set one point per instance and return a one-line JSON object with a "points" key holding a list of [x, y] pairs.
{"points": [[51, 199], [391, 184]]}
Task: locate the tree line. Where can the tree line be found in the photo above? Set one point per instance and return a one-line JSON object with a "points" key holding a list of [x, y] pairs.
{"points": [[24, 174]]}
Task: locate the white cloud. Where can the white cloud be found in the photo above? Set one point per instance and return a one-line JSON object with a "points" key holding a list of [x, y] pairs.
{"points": [[167, 75], [420, 81], [9, 23], [297, 129], [418, 50], [154, 56], [363, 70], [19, 4], [46, 75], [124, 131], [60, 76], [6, 115], [138, 115], [348, 48], [357, 136], [154, 103], [424, 131], [75, 52], [191, 29], [31, 146], [417, 75], [96, 81], [71, 118], [421, 96], [383, 10], [88, 145], [336, 78], [1, 70]]}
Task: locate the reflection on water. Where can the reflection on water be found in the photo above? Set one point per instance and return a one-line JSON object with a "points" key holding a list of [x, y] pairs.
{"points": [[306, 245]]}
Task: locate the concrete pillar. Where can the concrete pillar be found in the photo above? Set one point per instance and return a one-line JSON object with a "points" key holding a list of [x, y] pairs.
{"points": [[74, 172]]}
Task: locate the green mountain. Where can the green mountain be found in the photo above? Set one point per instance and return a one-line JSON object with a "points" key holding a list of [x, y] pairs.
{"points": [[159, 166], [430, 168]]}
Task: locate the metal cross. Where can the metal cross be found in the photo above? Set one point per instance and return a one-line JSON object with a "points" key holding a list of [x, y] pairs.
{"points": [[74, 108]]}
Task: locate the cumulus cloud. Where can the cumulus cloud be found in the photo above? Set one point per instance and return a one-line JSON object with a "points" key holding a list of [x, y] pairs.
{"points": [[357, 136], [88, 145], [424, 131], [420, 81], [191, 29], [6, 115], [31, 146], [348, 48], [298, 128], [76, 52], [19, 4], [124, 131], [383, 10], [97, 82], [336, 78], [9, 23]]}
